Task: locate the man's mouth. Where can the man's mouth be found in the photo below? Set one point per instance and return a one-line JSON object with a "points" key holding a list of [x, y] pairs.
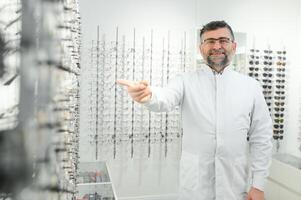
{"points": [[217, 54]]}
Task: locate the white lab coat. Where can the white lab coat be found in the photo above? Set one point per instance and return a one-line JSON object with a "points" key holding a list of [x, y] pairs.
{"points": [[218, 112]]}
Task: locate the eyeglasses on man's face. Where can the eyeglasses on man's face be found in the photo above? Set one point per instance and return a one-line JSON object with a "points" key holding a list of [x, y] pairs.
{"points": [[222, 41]]}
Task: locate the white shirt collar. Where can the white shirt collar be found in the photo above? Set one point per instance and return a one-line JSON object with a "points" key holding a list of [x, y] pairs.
{"points": [[208, 69]]}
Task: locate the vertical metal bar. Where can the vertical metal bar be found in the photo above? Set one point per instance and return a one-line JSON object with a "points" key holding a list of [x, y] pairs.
{"points": [[91, 84], [167, 78], [102, 79], [150, 82], [122, 91], [133, 106], [184, 50], [142, 77], [97, 96], [115, 93]]}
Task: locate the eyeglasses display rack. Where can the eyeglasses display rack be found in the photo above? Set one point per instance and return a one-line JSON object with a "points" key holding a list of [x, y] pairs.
{"points": [[119, 127], [39, 148], [269, 68]]}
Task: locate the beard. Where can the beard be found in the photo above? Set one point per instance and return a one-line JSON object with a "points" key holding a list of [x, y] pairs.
{"points": [[218, 63]]}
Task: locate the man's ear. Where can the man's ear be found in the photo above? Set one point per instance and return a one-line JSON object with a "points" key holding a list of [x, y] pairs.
{"points": [[234, 45]]}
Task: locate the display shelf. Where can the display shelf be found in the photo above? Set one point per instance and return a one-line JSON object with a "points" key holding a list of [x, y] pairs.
{"points": [[94, 182]]}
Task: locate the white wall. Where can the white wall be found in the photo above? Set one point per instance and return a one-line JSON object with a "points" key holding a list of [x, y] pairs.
{"points": [[265, 21]]}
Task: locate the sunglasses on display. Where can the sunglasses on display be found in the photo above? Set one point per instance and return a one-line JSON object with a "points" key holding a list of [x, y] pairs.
{"points": [[268, 57], [252, 56], [267, 69], [281, 58], [280, 120], [267, 86], [254, 50], [280, 81], [267, 63], [280, 86], [267, 51], [268, 98], [281, 52], [254, 68], [277, 131], [251, 62], [279, 103], [253, 74], [278, 114], [276, 137], [267, 92], [267, 80], [279, 97], [278, 126], [267, 75], [281, 69], [278, 109], [280, 75], [279, 92], [281, 63]]}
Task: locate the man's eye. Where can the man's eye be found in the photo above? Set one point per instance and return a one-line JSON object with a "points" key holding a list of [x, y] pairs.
{"points": [[223, 41]]}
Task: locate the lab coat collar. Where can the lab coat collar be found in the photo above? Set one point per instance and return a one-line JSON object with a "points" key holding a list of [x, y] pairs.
{"points": [[208, 70]]}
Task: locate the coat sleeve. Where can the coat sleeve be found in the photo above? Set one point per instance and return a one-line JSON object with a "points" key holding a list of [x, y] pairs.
{"points": [[167, 98], [261, 132]]}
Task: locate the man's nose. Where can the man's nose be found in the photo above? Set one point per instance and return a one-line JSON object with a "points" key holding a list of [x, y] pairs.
{"points": [[216, 45]]}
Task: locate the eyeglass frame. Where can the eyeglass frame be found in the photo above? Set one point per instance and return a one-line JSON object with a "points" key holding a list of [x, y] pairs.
{"points": [[223, 41]]}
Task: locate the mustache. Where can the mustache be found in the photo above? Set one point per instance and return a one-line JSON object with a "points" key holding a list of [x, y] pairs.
{"points": [[216, 51]]}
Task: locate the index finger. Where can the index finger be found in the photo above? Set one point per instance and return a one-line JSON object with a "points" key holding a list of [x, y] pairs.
{"points": [[125, 82]]}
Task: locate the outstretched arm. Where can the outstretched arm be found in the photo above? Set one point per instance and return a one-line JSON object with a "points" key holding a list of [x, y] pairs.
{"points": [[140, 92], [156, 98]]}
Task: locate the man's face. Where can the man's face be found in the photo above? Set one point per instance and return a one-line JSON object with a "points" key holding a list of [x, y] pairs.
{"points": [[217, 48]]}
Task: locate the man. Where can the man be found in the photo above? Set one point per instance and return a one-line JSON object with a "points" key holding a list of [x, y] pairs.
{"points": [[227, 126]]}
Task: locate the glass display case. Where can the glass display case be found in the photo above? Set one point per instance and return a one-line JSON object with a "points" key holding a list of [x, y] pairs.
{"points": [[94, 182]]}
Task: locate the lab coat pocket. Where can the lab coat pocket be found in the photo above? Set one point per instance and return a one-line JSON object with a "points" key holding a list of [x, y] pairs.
{"points": [[240, 176], [189, 171]]}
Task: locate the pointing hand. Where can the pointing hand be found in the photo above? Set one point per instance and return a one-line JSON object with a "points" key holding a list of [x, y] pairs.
{"points": [[139, 91]]}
